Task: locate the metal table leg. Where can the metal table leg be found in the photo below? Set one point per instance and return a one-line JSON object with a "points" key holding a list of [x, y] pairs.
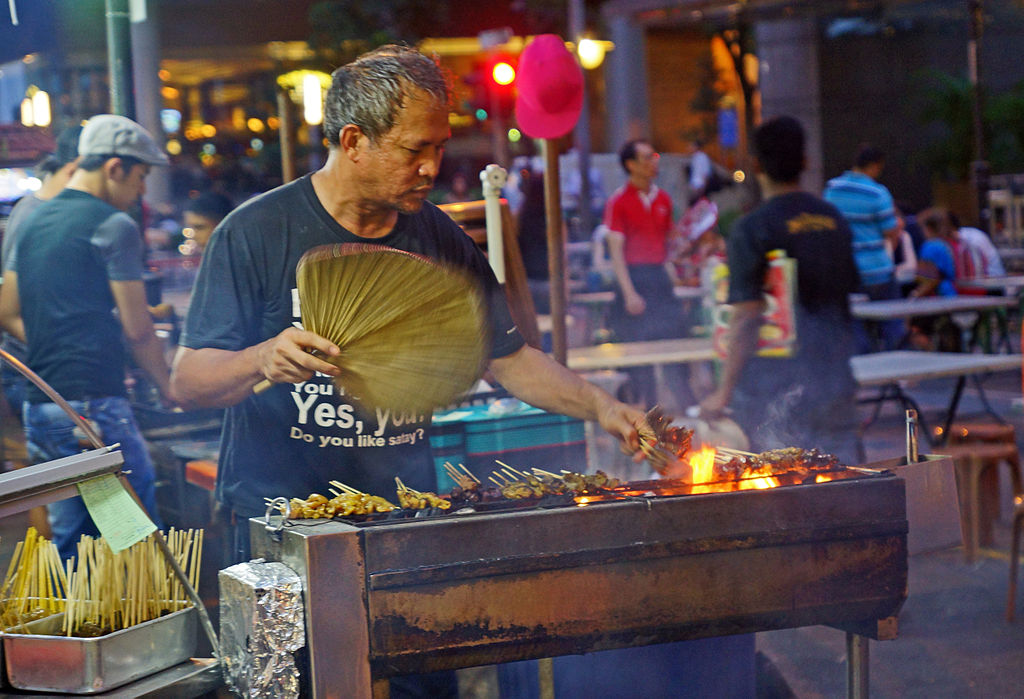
{"points": [[984, 399]]}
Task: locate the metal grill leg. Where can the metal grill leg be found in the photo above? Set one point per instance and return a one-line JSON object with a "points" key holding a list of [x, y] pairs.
{"points": [[546, 678], [856, 666], [381, 688]]}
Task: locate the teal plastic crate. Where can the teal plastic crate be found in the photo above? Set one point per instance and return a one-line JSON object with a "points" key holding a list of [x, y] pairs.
{"points": [[510, 431]]}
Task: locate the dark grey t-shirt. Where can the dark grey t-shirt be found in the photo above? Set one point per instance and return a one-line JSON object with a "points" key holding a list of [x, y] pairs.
{"points": [[26, 205], [68, 251], [292, 439]]}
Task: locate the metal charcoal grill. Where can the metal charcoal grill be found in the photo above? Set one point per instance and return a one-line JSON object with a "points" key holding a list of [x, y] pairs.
{"points": [[416, 595]]}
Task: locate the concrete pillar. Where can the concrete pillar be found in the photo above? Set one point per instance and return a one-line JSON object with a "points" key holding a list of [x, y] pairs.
{"points": [[790, 83], [628, 105], [148, 101]]}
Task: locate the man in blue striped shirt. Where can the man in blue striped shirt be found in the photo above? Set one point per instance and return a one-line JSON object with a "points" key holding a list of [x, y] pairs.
{"points": [[867, 206]]}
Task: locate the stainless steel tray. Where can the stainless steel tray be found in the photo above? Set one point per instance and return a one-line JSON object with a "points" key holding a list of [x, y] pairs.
{"points": [[48, 663]]}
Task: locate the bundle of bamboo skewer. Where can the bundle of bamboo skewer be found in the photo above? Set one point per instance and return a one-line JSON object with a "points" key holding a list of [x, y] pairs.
{"points": [[35, 585], [98, 590]]}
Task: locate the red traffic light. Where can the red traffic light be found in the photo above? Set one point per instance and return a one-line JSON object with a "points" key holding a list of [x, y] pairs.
{"points": [[503, 73], [493, 86]]}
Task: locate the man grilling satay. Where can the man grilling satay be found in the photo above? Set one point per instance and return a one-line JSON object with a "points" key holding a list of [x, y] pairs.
{"points": [[386, 120], [805, 400]]}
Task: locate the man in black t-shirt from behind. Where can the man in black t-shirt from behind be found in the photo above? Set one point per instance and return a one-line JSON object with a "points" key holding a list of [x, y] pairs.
{"points": [[806, 400]]}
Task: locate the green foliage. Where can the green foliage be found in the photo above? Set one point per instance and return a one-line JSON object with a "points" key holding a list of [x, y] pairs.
{"points": [[1005, 113], [705, 102], [948, 105], [342, 29]]}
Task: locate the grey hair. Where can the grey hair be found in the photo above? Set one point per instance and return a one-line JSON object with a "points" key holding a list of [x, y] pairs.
{"points": [[369, 91]]}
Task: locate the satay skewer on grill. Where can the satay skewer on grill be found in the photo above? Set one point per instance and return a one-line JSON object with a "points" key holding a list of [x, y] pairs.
{"points": [[516, 485], [412, 499], [346, 501], [464, 478]]}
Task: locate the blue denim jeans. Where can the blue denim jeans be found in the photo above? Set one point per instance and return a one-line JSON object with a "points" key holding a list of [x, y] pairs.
{"points": [[886, 334], [13, 385], [50, 434]]}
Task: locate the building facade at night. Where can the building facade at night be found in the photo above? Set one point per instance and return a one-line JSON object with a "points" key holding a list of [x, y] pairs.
{"points": [[851, 72]]}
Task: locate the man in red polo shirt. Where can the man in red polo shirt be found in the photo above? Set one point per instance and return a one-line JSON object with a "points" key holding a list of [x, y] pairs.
{"points": [[638, 223]]}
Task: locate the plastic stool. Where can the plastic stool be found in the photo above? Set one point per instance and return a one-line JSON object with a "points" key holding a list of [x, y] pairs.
{"points": [[973, 432], [201, 473], [1018, 524], [971, 461]]}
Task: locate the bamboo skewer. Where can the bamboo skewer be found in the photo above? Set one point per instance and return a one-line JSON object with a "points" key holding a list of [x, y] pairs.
{"points": [[98, 590], [347, 489], [734, 452], [464, 478], [513, 470]]}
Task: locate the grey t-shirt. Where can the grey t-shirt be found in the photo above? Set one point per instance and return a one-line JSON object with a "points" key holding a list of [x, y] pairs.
{"points": [[67, 254], [26, 205]]}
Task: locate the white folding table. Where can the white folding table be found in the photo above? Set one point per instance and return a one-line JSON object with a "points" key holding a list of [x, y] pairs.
{"points": [[621, 355], [876, 312], [1009, 284], [886, 371]]}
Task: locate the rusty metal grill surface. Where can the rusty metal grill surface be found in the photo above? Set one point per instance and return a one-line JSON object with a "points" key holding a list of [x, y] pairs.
{"points": [[456, 591]]}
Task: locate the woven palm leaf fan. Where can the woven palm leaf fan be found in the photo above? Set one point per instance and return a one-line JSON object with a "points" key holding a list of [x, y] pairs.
{"points": [[411, 331]]}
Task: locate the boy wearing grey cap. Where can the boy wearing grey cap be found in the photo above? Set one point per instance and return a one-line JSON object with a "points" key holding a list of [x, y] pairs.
{"points": [[77, 260]]}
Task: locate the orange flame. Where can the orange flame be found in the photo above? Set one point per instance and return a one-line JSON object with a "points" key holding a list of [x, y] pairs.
{"points": [[705, 479], [759, 483], [703, 464]]}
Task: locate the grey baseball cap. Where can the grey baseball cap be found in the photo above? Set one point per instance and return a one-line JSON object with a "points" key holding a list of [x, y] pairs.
{"points": [[110, 134]]}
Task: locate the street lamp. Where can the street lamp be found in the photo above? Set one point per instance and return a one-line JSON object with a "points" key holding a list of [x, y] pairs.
{"points": [[312, 99], [306, 88], [592, 51], [35, 108]]}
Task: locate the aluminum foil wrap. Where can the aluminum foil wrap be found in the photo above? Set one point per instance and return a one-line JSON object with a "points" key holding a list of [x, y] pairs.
{"points": [[261, 625]]}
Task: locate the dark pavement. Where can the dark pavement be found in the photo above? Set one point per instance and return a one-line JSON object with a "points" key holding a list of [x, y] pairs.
{"points": [[954, 640]]}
